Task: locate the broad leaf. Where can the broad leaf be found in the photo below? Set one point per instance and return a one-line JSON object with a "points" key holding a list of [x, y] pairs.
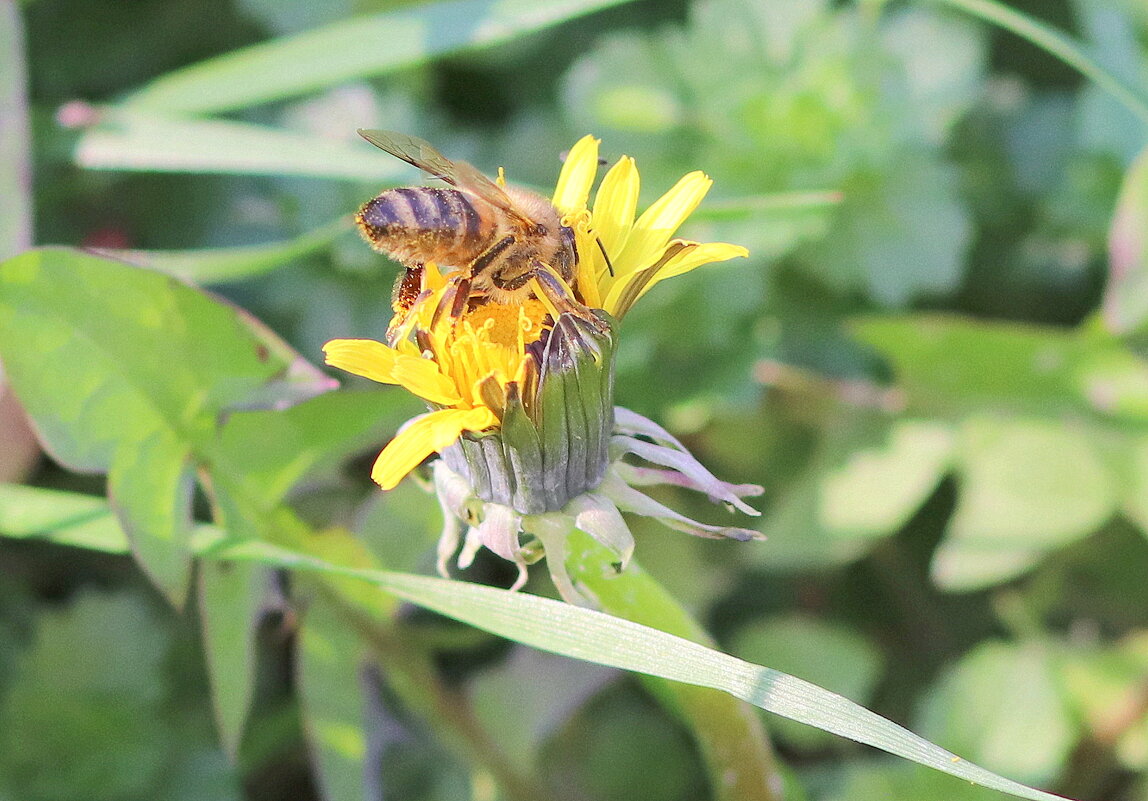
{"points": [[1026, 487], [1000, 695], [268, 451], [950, 366], [128, 372]]}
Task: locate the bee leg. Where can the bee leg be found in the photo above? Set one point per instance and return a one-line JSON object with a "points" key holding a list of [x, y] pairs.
{"points": [[405, 298], [461, 297], [487, 257], [453, 301], [557, 292]]}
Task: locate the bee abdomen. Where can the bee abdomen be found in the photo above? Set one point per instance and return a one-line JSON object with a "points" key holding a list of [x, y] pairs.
{"points": [[419, 224]]}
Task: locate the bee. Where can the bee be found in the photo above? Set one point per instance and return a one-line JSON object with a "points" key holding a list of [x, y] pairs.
{"points": [[493, 241]]}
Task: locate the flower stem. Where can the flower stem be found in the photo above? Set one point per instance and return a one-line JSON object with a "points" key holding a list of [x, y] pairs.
{"points": [[729, 733], [412, 673]]}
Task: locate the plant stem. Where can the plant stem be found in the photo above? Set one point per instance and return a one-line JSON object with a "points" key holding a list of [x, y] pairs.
{"points": [[729, 733], [412, 673]]}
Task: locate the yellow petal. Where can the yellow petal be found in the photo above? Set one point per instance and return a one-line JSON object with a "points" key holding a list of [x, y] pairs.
{"points": [[586, 278], [423, 436], [364, 357], [577, 176], [423, 378], [614, 208], [653, 230], [703, 253], [376, 361], [689, 256]]}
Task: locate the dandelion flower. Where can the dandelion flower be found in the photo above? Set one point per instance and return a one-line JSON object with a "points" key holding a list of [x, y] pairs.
{"points": [[521, 395]]}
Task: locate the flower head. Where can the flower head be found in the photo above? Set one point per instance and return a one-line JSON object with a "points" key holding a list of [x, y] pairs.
{"points": [[620, 257], [521, 393]]}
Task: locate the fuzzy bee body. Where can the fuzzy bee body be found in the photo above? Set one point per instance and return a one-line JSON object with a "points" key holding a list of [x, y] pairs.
{"points": [[492, 239], [418, 224]]}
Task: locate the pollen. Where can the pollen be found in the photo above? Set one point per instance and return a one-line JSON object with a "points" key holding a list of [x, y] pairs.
{"points": [[508, 325]]}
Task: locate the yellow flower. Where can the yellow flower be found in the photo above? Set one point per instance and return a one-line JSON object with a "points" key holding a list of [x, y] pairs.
{"points": [[640, 252], [463, 371], [522, 394], [465, 368]]}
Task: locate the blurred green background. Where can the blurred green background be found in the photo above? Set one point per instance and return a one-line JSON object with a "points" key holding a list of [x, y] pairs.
{"points": [[933, 362]]}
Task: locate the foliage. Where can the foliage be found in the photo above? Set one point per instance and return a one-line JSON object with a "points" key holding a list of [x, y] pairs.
{"points": [[933, 361]]}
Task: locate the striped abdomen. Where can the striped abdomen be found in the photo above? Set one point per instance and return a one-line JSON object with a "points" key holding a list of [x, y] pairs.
{"points": [[418, 224]]}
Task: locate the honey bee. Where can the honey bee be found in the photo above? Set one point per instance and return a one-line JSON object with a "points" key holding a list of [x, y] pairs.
{"points": [[491, 240]]}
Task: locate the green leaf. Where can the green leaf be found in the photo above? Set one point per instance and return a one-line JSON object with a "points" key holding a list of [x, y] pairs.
{"points": [[349, 49], [1026, 487], [130, 139], [950, 366], [268, 451], [944, 79], [65, 518], [1000, 695], [150, 485], [1135, 497], [104, 354], [597, 637], [877, 489], [864, 480], [15, 137], [127, 371], [231, 604], [220, 265], [331, 675], [900, 234], [1125, 305]]}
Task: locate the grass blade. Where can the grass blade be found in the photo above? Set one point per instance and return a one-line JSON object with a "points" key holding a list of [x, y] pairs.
{"points": [[15, 139], [541, 623], [220, 265], [1057, 44], [125, 139], [350, 49]]}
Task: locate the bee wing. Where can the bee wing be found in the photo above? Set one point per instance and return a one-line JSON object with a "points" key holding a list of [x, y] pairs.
{"points": [[422, 154]]}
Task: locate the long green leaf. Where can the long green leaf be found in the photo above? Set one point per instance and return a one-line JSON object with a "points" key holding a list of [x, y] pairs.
{"points": [[1057, 44], [776, 203], [15, 142], [230, 605], [559, 628], [351, 49], [219, 265], [127, 139], [329, 666]]}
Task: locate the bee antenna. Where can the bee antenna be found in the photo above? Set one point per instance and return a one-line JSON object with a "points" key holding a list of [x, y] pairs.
{"points": [[605, 255]]}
